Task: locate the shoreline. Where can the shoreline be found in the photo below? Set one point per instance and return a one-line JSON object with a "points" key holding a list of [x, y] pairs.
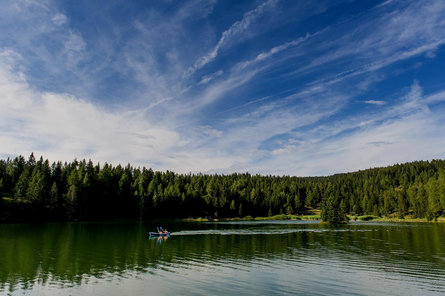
{"points": [[283, 217], [352, 218]]}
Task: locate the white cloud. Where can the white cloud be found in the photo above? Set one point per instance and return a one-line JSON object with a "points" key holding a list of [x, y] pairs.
{"points": [[274, 50], [235, 29], [62, 127], [207, 78], [374, 43], [375, 102], [407, 131], [75, 46], [174, 128], [59, 19]]}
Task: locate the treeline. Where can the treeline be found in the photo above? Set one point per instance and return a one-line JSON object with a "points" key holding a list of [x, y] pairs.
{"points": [[80, 190]]}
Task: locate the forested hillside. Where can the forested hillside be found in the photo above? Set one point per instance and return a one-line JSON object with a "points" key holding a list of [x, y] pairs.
{"points": [[82, 190]]}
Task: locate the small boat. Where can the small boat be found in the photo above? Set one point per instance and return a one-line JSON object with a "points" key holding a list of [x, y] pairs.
{"points": [[159, 234]]}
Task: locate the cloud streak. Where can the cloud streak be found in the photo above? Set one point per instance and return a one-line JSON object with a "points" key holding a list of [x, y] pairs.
{"points": [[290, 98], [235, 30], [374, 102]]}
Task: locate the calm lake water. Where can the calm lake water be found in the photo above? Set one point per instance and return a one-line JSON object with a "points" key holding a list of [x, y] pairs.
{"points": [[239, 258]]}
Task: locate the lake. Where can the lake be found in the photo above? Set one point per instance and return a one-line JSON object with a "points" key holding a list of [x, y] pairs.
{"points": [[233, 258]]}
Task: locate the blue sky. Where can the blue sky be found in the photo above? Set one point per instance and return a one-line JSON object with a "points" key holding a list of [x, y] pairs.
{"points": [[272, 87]]}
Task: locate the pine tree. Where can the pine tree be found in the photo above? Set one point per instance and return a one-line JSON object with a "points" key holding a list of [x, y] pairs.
{"points": [[21, 186], [434, 209], [332, 211], [36, 187]]}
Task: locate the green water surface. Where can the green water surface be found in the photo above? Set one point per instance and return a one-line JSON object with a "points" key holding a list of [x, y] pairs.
{"points": [[236, 258]]}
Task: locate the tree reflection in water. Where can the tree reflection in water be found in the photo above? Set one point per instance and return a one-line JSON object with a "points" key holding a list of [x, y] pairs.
{"points": [[66, 254]]}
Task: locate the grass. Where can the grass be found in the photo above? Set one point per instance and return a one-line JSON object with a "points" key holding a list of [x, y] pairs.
{"points": [[7, 199], [250, 218], [364, 218], [310, 217], [408, 218], [278, 217]]}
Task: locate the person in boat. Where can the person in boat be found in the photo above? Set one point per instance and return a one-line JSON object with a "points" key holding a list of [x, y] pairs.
{"points": [[165, 231]]}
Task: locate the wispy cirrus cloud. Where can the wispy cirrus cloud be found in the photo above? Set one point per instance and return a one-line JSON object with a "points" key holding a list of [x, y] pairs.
{"points": [[59, 19], [375, 102], [207, 78], [74, 48], [287, 99], [63, 127], [381, 39], [234, 30], [273, 51]]}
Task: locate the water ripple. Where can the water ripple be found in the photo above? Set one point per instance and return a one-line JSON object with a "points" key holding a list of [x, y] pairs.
{"points": [[225, 259]]}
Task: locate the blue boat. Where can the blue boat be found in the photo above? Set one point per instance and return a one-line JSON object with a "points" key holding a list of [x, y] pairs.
{"points": [[159, 234]]}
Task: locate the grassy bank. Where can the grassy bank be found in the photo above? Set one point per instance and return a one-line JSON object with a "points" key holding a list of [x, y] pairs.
{"points": [[250, 218], [314, 217], [308, 214], [392, 219]]}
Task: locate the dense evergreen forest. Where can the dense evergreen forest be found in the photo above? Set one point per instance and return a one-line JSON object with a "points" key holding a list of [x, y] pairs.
{"points": [[81, 190]]}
